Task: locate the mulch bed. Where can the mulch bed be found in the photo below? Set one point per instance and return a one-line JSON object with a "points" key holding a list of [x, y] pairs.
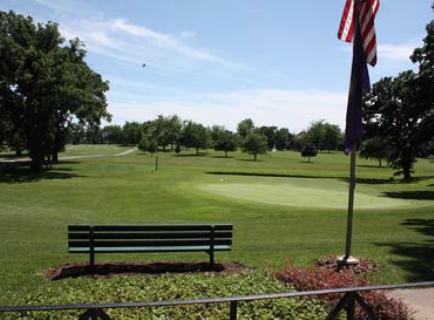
{"points": [[108, 270], [363, 267]]}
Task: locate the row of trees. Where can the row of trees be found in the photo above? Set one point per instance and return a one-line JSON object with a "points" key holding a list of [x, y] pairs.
{"points": [[174, 133], [45, 86]]}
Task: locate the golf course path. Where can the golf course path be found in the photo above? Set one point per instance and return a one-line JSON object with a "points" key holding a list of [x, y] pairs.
{"points": [[123, 153], [421, 301]]}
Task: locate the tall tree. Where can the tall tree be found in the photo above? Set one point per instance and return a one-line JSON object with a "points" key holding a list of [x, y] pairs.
{"points": [[47, 82], [112, 134], [225, 140], [132, 133], [195, 135], [282, 137], [374, 148], [245, 127], [255, 143], [394, 112], [270, 133], [401, 110]]}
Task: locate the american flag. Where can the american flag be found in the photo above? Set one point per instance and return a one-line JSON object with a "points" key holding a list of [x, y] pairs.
{"points": [[367, 11], [360, 31]]}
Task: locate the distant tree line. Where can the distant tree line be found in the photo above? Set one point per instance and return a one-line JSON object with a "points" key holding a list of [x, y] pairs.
{"points": [[173, 133]]}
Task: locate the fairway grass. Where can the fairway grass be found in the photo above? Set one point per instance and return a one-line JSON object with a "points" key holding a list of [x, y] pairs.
{"points": [[307, 193], [281, 207]]}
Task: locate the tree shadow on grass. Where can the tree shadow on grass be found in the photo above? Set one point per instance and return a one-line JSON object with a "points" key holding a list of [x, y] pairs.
{"points": [[13, 156], [411, 195], [250, 160], [373, 166], [191, 155], [417, 259], [223, 157], [20, 173], [289, 175]]}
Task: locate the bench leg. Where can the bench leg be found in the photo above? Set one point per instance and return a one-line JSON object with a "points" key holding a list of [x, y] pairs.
{"points": [[211, 257], [92, 259]]}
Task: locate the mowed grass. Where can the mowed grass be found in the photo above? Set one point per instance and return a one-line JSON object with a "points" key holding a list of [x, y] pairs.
{"points": [[270, 228]]}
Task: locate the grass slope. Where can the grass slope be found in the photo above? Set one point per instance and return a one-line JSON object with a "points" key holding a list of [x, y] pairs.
{"points": [[35, 211]]}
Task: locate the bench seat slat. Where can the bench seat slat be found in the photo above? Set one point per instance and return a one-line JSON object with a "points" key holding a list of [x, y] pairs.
{"points": [[145, 243], [149, 249], [166, 227], [150, 235]]}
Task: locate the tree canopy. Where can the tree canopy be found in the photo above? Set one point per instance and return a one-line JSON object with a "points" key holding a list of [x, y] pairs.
{"points": [[45, 85], [255, 143], [400, 110]]}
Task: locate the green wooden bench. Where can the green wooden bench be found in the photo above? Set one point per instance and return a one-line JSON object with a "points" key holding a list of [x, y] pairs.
{"points": [[93, 239]]}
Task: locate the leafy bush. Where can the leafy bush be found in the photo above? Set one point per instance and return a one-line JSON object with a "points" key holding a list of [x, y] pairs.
{"points": [[320, 278], [148, 145], [308, 152], [170, 287]]}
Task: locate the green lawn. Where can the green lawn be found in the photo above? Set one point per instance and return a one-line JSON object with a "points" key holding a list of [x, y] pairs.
{"points": [[281, 207]]}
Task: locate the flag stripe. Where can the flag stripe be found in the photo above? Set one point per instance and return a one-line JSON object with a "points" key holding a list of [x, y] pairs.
{"points": [[368, 10], [346, 26]]}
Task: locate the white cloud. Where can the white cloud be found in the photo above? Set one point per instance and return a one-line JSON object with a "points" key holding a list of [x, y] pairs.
{"points": [[131, 43], [134, 44], [284, 108], [396, 52]]}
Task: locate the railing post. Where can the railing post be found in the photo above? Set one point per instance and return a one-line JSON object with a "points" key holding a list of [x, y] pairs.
{"points": [[351, 306], [211, 246], [91, 247], [233, 311], [94, 314], [334, 313]]}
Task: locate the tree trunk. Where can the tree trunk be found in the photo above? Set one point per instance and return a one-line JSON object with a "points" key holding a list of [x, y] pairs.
{"points": [[308, 159], [18, 152], [55, 157], [255, 156], [379, 162], [407, 173], [197, 152], [37, 163], [226, 154]]}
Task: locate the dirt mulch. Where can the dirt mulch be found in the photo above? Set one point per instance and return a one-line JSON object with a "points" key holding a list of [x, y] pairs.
{"points": [[363, 267], [108, 270]]}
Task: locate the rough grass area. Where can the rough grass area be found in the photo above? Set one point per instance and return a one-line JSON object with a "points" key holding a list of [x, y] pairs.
{"points": [[35, 211], [170, 287]]}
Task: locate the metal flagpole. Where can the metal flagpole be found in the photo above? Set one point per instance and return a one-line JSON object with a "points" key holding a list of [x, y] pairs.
{"points": [[352, 185], [347, 258]]}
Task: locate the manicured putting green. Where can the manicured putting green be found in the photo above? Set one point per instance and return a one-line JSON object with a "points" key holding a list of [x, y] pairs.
{"points": [[310, 193]]}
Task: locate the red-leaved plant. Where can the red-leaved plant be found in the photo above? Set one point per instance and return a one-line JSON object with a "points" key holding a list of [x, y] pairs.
{"points": [[322, 278]]}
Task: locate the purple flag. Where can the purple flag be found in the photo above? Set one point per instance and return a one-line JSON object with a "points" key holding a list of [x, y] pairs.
{"points": [[359, 86]]}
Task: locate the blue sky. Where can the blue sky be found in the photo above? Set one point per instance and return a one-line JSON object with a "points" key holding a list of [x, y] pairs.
{"points": [[218, 62]]}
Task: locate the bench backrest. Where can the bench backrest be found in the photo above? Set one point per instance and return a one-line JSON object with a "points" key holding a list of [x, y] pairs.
{"points": [[148, 235]]}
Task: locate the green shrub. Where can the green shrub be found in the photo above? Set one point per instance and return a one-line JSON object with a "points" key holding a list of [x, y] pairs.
{"points": [[170, 287]]}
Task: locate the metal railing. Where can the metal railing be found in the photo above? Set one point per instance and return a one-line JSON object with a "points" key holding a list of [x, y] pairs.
{"points": [[350, 296]]}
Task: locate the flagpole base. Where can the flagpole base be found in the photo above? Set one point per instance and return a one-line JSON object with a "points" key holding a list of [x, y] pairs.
{"points": [[349, 261]]}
